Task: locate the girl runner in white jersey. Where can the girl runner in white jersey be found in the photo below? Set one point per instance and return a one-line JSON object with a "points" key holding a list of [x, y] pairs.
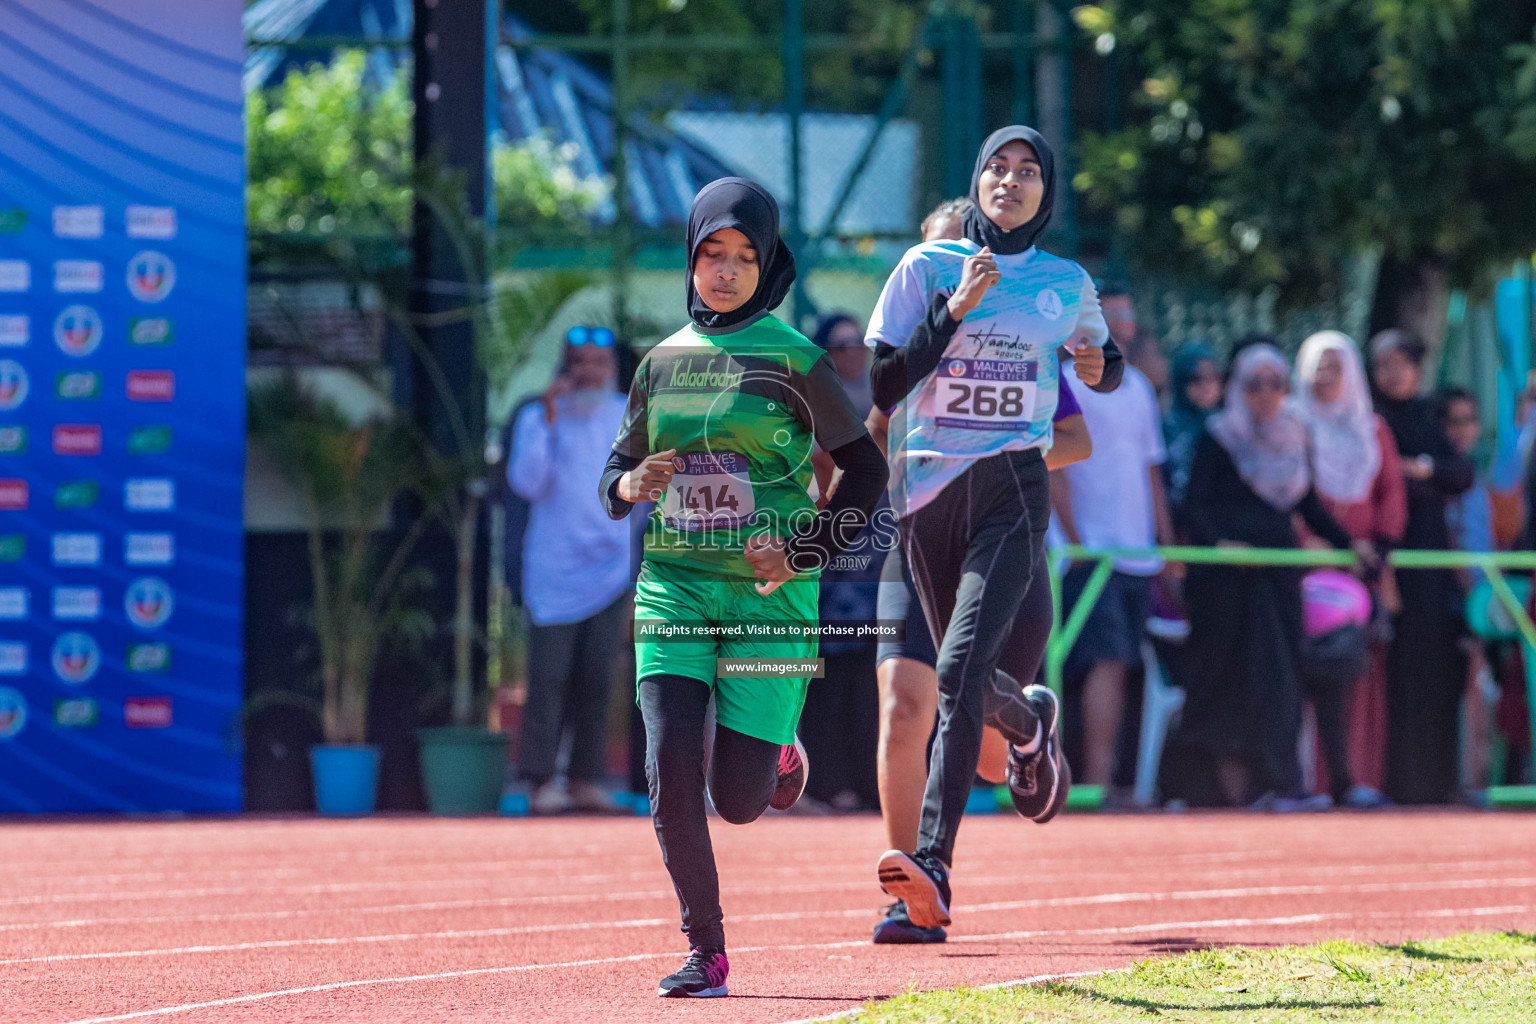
{"points": [[966, 336]]}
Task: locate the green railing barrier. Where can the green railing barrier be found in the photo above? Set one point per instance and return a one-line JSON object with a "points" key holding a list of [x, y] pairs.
{"points": [[1492, 564]]}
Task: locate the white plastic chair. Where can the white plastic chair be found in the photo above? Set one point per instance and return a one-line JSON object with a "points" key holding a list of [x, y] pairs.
{"points": [[1159, 703]]}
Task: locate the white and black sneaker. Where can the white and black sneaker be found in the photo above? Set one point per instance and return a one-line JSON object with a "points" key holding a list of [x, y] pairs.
{"points": [[794, 769], [702, 976], [920, 882], [1038, 775]]}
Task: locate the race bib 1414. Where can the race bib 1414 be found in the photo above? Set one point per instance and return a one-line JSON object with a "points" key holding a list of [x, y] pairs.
{"points": [[709, 490]]}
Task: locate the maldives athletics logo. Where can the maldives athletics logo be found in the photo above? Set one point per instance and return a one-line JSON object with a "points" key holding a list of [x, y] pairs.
{"points": [[13, 712], [151, 276], [77, 331], [149, 602], [14, 384], [76, 658]]}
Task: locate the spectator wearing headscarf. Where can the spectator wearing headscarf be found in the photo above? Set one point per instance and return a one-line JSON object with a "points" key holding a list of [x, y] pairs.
{"points": [[1195, 381], [1426, 667], [1360, 480], [1251, 475]]}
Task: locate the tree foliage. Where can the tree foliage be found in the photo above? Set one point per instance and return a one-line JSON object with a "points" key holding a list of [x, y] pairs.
{"points": [[331, 156], [1276, 138]]}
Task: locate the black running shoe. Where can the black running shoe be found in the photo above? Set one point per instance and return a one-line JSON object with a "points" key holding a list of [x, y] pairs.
{"points": [[794, 769], [897, 929], [701, 976], [920, 882], [1038, 774]]}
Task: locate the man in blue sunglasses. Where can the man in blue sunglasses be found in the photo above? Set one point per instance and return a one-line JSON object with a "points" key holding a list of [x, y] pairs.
{"points": [[576, 579]]}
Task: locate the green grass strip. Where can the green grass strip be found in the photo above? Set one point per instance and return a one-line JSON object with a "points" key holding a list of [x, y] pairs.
{"points": [[1476, 978]]}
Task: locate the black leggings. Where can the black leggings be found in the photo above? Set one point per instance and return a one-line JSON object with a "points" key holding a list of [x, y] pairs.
{"points": [[743, 771], [975, 552]]}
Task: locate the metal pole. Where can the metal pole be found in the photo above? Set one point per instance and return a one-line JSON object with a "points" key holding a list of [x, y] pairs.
{"points": [[1024, 65], [794, 106], [621, 225], [1064, 40]]}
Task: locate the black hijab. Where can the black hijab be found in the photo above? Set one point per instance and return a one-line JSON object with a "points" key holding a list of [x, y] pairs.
{"points": [[1414, 421], [980, 228], [747, 207]]}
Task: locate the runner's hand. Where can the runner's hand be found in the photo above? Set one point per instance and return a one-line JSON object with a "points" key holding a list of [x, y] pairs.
{"points": [[1088, 361], [647, 481], [769, 562], [977, 275]]}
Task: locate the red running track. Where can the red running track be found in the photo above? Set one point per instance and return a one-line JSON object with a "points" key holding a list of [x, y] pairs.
{"points": [[415, 919]]}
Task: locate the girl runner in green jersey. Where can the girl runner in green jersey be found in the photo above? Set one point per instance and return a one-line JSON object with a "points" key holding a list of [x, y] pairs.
{"points": [[718, 432]]}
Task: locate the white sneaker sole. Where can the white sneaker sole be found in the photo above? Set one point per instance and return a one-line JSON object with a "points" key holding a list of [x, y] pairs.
{"points": [[708, 993], [901, 877]]}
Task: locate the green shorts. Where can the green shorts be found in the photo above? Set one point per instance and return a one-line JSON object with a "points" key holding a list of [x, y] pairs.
{"points": [[768, 707]]}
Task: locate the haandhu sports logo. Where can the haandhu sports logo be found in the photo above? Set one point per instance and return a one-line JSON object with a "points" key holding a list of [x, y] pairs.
{"points": [[149, 602], [77, 331], [686, 375], [151, 276], [14, 384], [76, 658]]}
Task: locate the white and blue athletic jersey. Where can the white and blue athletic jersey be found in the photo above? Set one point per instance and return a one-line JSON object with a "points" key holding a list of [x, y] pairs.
{"points": [[995, 389]]}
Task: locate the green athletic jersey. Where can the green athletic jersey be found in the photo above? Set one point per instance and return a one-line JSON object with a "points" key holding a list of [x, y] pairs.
{"points": [[741, 409]]}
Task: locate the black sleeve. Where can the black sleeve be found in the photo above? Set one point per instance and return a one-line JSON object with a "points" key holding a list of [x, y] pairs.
{"points": [[618, 464], [1320, 522], [1200, 492], [837, 526], [1114, 368], [897, 372]]}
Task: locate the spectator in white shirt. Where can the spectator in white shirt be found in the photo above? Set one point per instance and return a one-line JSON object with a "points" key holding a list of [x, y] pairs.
{"points": [[576, 572], [1113, 499]]}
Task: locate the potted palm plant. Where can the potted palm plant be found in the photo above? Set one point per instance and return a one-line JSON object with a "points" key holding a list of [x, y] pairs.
{"points": [[346, 470]]}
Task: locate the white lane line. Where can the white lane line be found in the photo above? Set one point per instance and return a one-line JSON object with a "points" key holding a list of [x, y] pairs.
{"points": [[1039, 979], [673, 954], [653, 922]]}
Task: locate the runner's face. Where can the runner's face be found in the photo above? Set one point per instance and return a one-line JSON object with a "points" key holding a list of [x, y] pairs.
{"points": [[1011, 185], [1328, 383], [725, 270]]}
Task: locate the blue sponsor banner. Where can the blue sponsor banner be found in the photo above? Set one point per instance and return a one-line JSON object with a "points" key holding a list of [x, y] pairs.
{"points": [[122, 404]]}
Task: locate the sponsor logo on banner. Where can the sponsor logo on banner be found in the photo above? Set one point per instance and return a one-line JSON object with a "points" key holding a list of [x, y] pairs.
{"points": [[147, 712], [15, 330], [151, 276], [12, 220], [151, 385], [13, 712], [76, 657], [71, 276], [14, 495], [79, 221], [77, 331], [14, 384], [77, 549], [15, 276], [150, 494], [13, 547], [149, 657], [77, 439], [15, 603], [149, 602], [78, 385], [149, 440], [151, 330], [157, 222], [78, 713], [13, 658], [77, 603], [76, 494], [149, 549], [13, 440]]}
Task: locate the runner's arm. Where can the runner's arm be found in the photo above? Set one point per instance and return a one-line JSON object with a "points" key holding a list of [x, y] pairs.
{"points": [[836, 527], [618, 465], [897, 372]]}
